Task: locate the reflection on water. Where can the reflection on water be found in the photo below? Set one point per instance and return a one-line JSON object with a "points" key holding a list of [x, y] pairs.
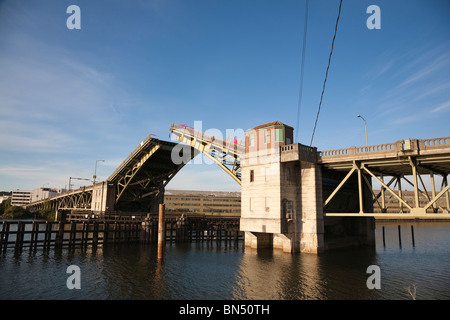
{"points": [[208, 271]]}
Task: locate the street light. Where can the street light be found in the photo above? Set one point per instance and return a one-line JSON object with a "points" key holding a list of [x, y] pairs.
{"points": [[73, 178], [95, 171], [365, 125]]}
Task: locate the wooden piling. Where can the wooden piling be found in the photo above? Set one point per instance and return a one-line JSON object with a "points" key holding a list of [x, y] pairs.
{"points": [[34, 235], [161, 231], [384, 238], [412, 236], [72, 234], [84, 233], [47, 234], [105, 232], [19, 235], [60, 235], [95, 234], [399, 237]]}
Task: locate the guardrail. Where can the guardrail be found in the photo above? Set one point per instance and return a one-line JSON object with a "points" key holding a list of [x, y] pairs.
{"points": [[297, 151], [399, 147], [229, 145], [130, 156]]}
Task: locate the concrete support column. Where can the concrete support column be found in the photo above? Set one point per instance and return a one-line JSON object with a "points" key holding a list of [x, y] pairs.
{"points": [[312, 226], [258, 240]]}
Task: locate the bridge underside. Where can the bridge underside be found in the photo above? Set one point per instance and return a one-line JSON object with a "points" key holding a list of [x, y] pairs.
{"points": [[226, 153], [140, 181]]}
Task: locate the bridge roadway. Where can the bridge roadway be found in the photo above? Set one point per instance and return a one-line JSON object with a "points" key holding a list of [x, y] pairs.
{"points": [[138, 183]]}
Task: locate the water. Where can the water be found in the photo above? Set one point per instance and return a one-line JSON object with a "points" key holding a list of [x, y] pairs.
{"points": [[207, 271]]}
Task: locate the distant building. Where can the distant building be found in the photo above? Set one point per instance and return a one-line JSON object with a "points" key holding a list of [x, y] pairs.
{"points": [[24, 197], [20, 197], [209, 203]]}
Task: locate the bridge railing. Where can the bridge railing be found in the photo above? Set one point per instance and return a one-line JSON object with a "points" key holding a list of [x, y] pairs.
{"points": [[130, 156], [355, 152], [388, 149], [229, 145], [297, 151], [432, 144]]}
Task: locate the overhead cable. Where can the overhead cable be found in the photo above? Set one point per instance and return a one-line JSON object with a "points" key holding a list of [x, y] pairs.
{"points": [[326, 74], [305, 29]]}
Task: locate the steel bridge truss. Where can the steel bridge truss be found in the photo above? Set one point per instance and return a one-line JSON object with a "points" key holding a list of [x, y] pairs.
{"points": [[225, 153], [411, 165], [80, 200], [135, 186], [143, 175]]}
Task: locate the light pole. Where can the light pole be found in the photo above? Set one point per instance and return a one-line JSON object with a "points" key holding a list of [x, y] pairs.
{"points": [[365, 125], [73, 178], [95, 170]]}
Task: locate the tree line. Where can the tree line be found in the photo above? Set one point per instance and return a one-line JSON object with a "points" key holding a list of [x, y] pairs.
{"points": [[7, 211]]}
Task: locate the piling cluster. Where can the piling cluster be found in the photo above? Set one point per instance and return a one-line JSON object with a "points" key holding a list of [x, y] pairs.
{"points": [[47, 234]]}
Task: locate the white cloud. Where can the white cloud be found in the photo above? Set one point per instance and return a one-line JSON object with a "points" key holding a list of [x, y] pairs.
{"points": [[442, 107]]}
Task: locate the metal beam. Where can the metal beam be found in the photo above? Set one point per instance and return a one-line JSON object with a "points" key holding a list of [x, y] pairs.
{"points": [[218, 150], [387, 188], [437, 197], [128, 176], [339, 186]]}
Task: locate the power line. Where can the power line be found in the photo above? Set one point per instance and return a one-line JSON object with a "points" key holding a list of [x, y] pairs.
{"points": [[305, 29], [326, 74]]}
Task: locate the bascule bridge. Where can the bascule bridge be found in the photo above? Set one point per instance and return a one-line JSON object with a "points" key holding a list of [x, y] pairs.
{"points": [[293, 196]]}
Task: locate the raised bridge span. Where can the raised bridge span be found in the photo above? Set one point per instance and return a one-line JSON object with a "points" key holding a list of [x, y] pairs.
{"points": [[136, 186], [348, 175]]}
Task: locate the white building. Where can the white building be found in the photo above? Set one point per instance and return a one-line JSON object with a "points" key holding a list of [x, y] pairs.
{"points": [[24, 197], [20, 197]]}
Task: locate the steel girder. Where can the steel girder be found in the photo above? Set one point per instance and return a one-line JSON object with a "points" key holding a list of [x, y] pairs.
{"points": [[398, 170], [142, 177], [225, 153]]}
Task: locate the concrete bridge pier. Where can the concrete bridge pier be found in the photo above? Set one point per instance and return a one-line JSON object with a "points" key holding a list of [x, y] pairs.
{"points": [[282, 197]]}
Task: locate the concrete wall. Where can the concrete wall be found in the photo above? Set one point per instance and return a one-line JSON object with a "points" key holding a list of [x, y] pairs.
{"points": [[261, 198], [103, 196], [283, 200]]}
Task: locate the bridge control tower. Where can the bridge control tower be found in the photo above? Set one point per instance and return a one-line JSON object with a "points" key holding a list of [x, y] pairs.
{"points": [[281, 192]]}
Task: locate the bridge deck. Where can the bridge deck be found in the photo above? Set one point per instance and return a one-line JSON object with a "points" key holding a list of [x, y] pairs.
{"points": [[399, 161], [226, 153], [431, 151]]}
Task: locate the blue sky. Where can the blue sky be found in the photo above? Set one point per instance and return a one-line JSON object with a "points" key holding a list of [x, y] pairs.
{"points": [[71, 97]]}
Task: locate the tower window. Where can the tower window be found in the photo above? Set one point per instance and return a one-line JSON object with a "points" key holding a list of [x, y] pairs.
{"points": [[267, 136], [278, 135], [252, 139]]}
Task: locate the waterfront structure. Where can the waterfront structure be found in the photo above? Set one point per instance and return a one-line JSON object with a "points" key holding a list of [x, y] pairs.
{"points": [[281, 195], [203, 203], [136, 187], [293, 196]]}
